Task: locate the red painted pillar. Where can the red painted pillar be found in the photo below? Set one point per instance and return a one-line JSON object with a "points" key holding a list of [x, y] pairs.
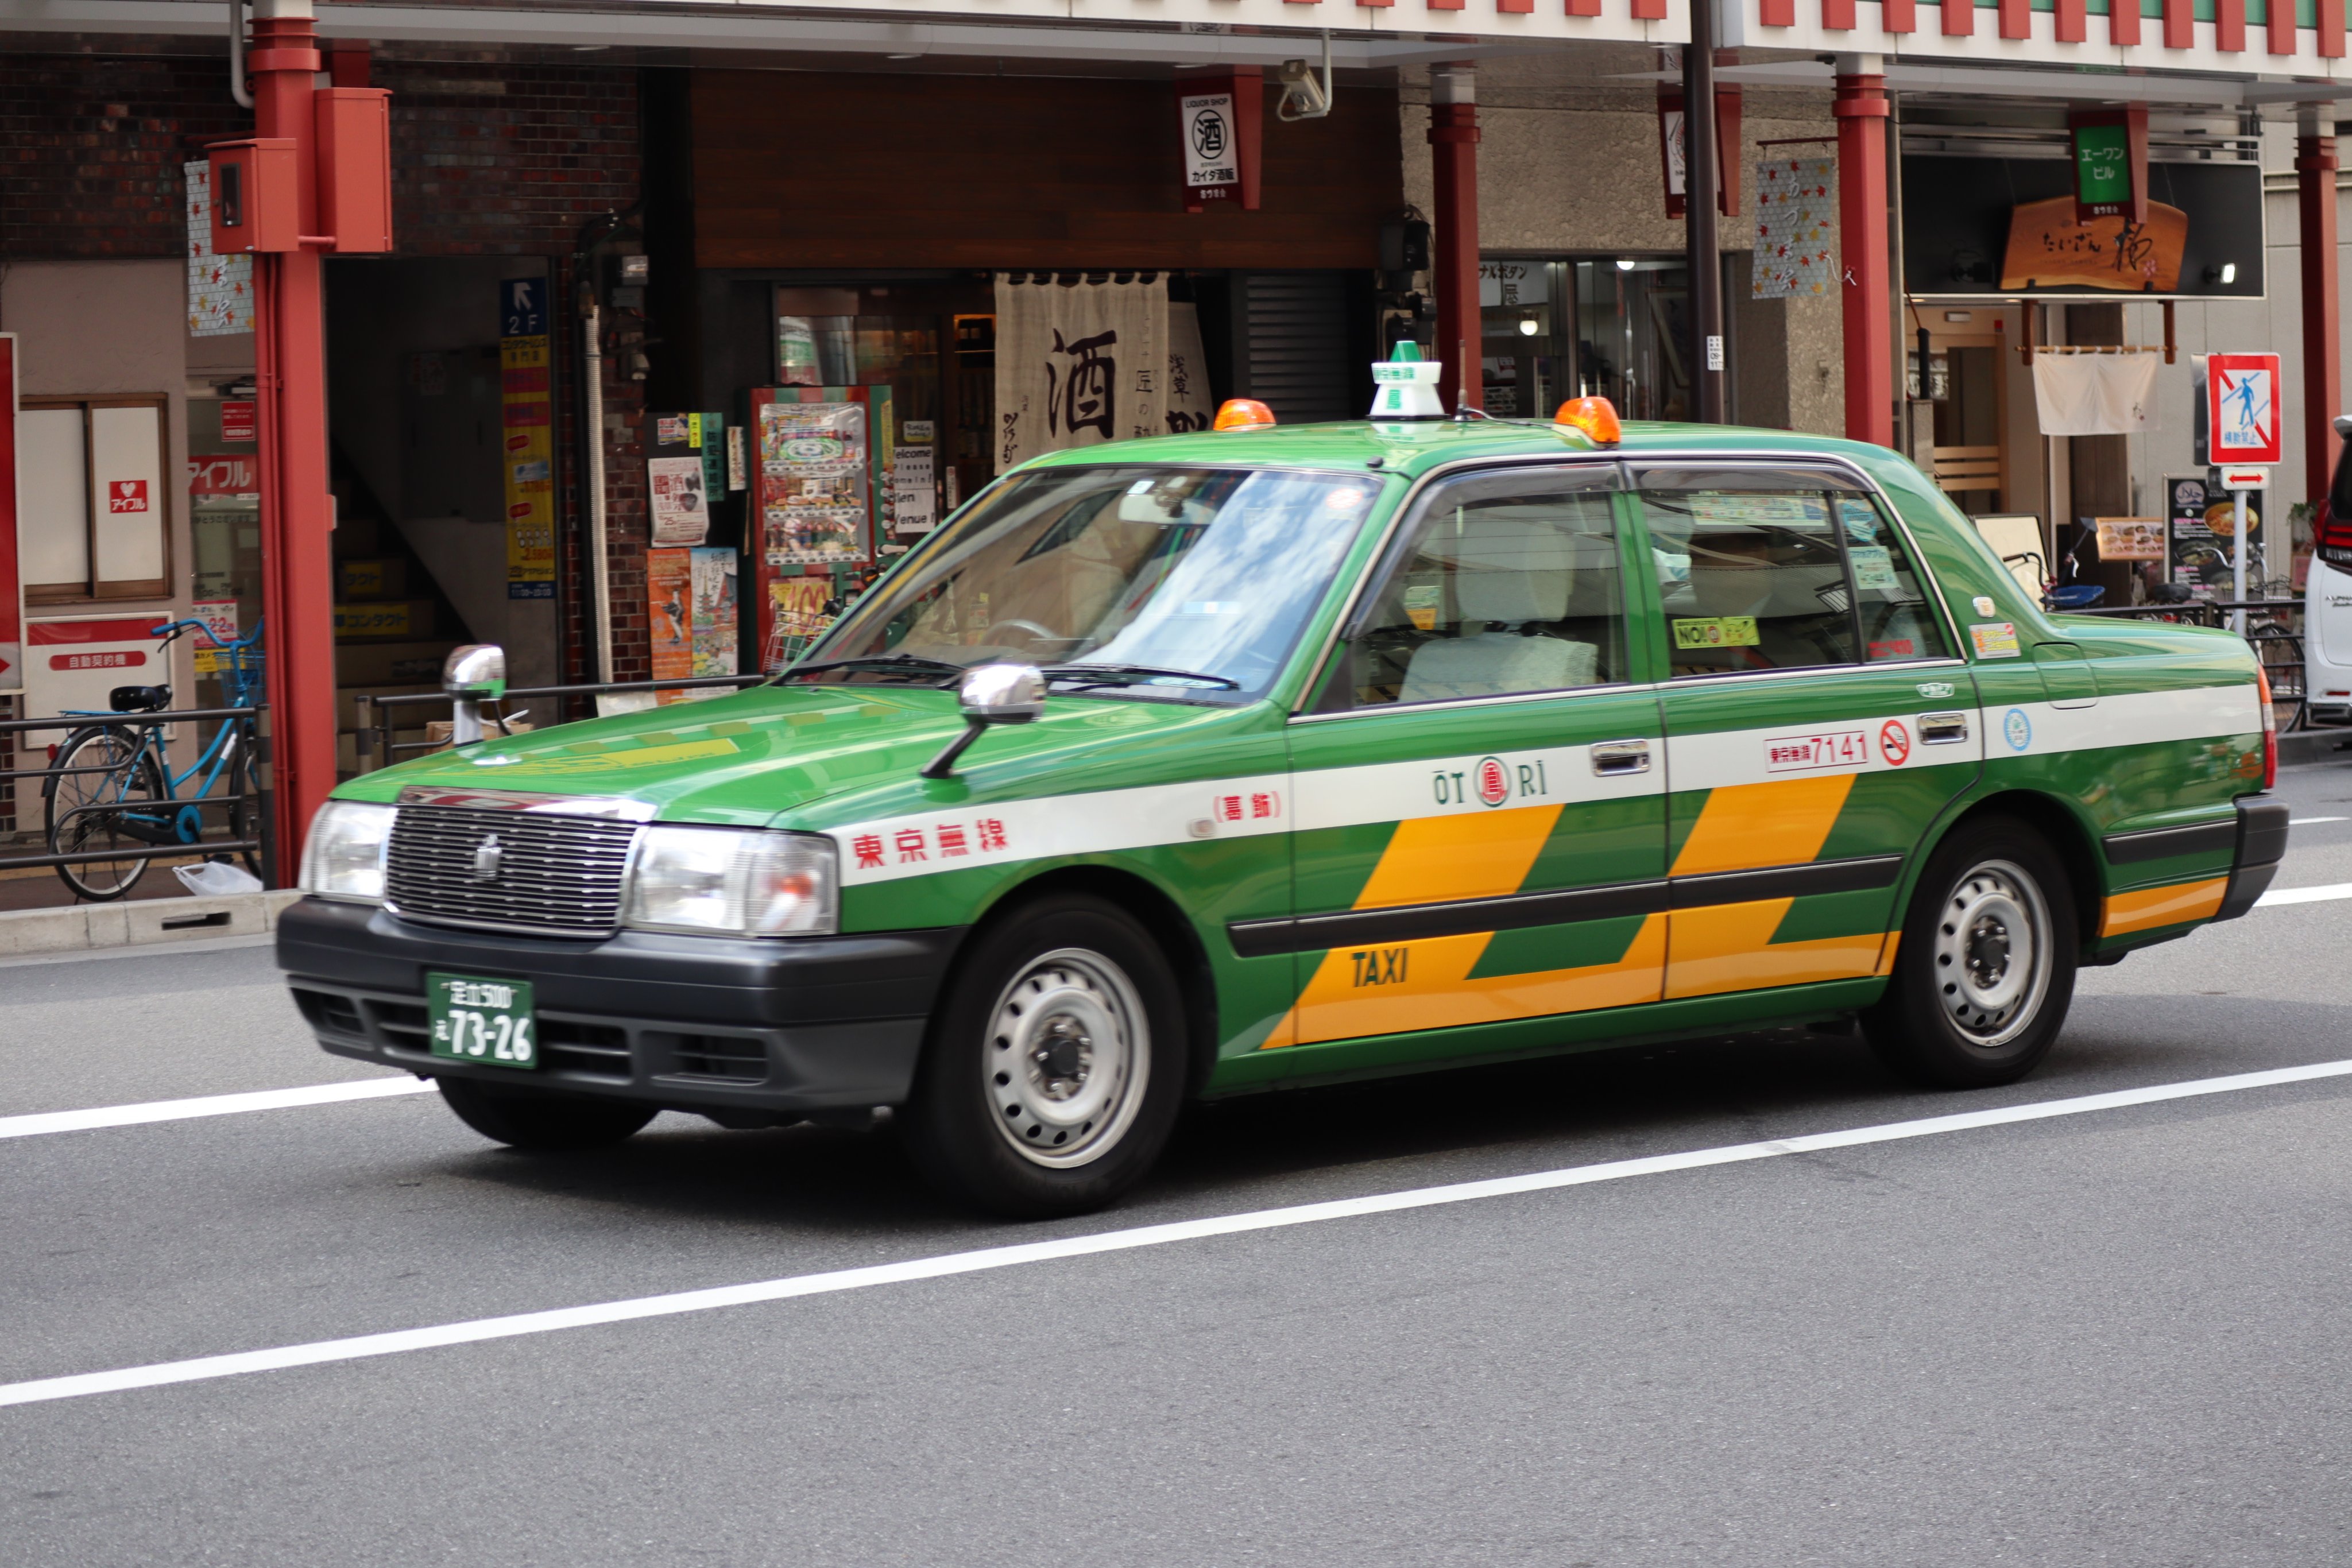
{"points": [[297, 514], [1861, 111], [2322, 376], [1453, 169]]}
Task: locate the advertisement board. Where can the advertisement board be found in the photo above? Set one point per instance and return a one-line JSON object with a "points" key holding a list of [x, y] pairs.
{"points": [[526, 424]]}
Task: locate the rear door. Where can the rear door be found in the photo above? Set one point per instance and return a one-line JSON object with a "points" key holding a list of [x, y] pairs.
{"points": [[1480, 834], [1817, 722]]}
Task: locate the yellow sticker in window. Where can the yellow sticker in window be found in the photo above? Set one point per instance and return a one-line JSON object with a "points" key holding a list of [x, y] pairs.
{"points": [[1716, 632], [1995, 640]]}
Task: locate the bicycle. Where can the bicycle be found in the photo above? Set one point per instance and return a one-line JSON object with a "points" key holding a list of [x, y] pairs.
{"points": [[110, 784]]}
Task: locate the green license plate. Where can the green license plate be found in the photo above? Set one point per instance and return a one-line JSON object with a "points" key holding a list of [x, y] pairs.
{"points": [[476, 1020]]}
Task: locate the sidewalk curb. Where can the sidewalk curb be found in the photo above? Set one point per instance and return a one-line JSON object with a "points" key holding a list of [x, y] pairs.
{"points": [[2306, 746], [141, 922]]}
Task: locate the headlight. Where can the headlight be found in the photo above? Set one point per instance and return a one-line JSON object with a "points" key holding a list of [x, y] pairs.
{"points": [[344, 857], [742, 882]]}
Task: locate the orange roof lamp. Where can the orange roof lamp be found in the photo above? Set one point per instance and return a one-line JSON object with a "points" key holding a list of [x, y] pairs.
{"points": [[1243, 413], [1595, 418]]}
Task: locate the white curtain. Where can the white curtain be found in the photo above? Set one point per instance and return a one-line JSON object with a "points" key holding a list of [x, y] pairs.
{"points": [[2096, 394], [1080, 363]]}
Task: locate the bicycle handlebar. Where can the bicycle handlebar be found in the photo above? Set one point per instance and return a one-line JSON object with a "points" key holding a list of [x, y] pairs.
{"points": [[172, 631]]}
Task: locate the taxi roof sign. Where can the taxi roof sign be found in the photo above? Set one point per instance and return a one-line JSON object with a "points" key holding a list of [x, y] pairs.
{"points": [[1405, 386]]}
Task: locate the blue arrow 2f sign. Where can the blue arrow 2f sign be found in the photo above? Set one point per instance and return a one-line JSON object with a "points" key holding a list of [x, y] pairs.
{"points": [[523, 307]]}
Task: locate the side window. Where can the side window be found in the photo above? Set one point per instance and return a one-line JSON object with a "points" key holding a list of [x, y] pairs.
{"points": [[1897, 619], [1506, 583], [1750, 575]]}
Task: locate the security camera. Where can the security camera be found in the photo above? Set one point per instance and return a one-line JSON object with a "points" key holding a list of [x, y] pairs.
{"points": [[1303, 96]]}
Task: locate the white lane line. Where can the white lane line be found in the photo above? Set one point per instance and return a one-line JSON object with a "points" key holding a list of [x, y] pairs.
{"points": [[2305, 894], [202, 1368], [207, 1105], [2307, 822]]}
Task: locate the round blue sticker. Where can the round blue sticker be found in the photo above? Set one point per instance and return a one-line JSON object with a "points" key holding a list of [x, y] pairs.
{"points": [[2018, 728]]}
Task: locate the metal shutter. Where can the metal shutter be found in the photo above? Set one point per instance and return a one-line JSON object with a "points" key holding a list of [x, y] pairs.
{"points": [[1290, 343]]}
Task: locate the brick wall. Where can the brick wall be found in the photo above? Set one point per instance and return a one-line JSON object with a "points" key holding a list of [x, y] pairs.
{"points": [[91, 148]]}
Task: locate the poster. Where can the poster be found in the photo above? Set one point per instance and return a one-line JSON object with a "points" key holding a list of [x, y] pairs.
{"points": [[679, 514], [526, 424], [2199, 527], [914, 491], [797, 616], [2130, 538], [219, 616], [712, 629], [670, 612], [1796, 227], [220, 287], [1077, 364]]}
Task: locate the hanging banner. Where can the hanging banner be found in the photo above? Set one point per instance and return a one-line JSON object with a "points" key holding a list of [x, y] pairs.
{"points": [[1796, 227], [1077, 364], [2096, 394], [526, 410], [1190, 407], [220, 287]]}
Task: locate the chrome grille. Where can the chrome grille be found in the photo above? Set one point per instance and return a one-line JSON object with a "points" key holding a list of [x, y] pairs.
{"points": [[556, 874]]}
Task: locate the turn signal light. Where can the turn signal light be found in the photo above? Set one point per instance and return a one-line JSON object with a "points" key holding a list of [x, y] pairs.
{"points": [[1243, 413], [1595, 416], [2270, 728]]}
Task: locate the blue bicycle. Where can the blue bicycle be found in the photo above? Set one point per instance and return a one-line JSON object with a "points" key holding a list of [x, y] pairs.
{"points": [[111, 786]]}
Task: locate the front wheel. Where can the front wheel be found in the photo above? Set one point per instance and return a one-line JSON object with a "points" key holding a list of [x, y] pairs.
{"points": [[542, 1121], [1055, 1064], [1985, 969]]}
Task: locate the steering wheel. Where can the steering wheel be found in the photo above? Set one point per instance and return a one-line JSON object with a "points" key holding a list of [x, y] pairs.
{"points": [[1038, 634]]}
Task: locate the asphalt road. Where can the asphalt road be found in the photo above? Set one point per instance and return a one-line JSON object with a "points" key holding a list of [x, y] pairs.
{"points": [[2116, 1337]]}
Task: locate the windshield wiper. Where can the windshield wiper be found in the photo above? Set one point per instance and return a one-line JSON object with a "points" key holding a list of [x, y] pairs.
{"points": [[1129, 675], [885, 664]]}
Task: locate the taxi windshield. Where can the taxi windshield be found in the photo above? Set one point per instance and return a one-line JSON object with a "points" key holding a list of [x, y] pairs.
{"points": [[1188, 584]]}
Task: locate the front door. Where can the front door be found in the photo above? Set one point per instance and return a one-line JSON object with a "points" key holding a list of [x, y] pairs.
{"points": [[1481, 831], [1817, 723]]}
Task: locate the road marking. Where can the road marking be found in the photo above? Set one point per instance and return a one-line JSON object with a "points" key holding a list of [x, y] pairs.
{"points": [[207, 1105], [203, 1368], [2305, 894], [2305, 822]]}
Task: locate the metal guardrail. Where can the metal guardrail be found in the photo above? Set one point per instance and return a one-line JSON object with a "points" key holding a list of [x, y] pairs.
{"points": [[377, 749], [132, 721]]}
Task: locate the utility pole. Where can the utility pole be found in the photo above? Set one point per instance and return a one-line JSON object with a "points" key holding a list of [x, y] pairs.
{"points": [[1701, 181]]}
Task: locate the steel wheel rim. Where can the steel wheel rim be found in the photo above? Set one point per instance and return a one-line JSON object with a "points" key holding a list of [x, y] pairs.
{"points": [[98, 832], [1067, 1057], [1992, 951]]}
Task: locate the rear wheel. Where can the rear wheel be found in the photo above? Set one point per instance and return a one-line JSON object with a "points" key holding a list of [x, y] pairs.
{"points": [[1985, 971], [542, 1121], [1055, 1063], [98, 769]]}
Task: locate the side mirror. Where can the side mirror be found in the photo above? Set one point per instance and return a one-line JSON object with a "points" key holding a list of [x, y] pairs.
{"points": [[472, 675], [989, 694]]}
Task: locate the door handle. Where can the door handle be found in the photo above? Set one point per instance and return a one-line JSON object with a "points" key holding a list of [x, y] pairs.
{"points": [[1617, 756], [1943, 728]]}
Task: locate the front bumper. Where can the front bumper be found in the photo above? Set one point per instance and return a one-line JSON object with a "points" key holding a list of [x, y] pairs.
{"points": [[2261, 844], [707, 1024]]}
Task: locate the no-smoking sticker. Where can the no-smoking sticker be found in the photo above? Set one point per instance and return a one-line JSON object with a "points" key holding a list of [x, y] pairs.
{"points": [[1893, 742]]}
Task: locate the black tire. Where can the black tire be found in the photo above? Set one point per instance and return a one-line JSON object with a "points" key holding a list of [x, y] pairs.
{"points": [[245, 818], [1055, 1063], [544, 1121], [1962, 1011], [131, 779]]}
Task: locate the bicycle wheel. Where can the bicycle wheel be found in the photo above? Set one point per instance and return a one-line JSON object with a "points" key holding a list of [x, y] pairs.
{"points": [[123, 774], [2281, 653]]}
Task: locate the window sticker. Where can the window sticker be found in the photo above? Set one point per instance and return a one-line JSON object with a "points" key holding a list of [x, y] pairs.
{"points": [[1423, 601], [1716, 632], [1997, 640], [1873, 569]]}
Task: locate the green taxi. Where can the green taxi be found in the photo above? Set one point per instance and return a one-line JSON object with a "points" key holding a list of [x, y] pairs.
{"points": [[1189, 766]]}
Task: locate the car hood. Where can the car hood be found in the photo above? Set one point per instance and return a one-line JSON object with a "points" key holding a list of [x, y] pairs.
{"points": [[799, 755]]}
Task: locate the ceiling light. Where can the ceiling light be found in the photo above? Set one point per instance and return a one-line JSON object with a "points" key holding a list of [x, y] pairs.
{"points": [[1624, 264], [1528, 327]]}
